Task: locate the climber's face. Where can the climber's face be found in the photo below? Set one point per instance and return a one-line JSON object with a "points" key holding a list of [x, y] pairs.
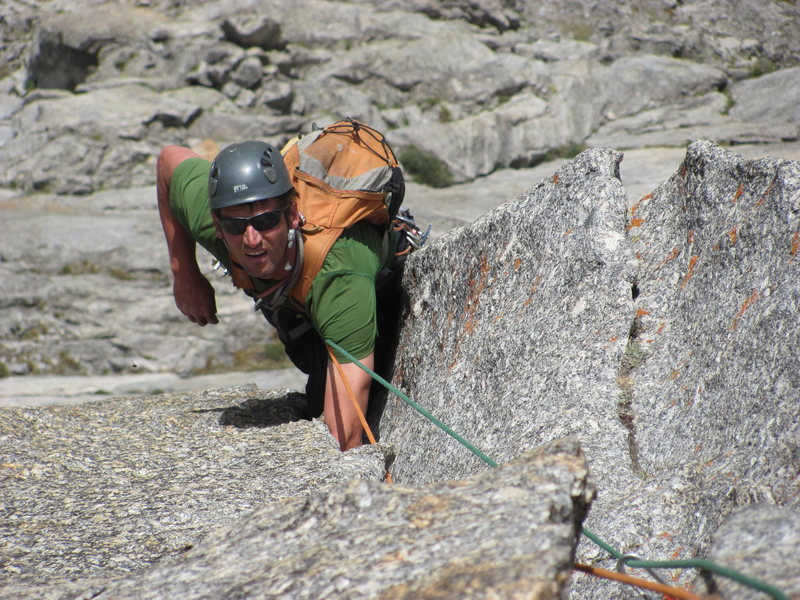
{"points": [[256, 235]]}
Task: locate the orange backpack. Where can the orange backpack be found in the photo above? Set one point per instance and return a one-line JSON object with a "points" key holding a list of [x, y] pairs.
{"points": [[343, 174]]}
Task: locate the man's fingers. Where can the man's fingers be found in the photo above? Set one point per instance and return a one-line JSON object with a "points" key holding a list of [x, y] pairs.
{"points": [[203, 320]]}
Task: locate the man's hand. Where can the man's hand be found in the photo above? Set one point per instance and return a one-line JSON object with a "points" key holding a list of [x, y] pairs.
{"points": [[194, 296]]}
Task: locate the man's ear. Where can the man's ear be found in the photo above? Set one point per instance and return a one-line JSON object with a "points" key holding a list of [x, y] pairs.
{"points": [[217, 226], [293, 215]]}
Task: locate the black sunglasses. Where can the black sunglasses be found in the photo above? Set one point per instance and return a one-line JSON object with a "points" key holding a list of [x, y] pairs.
{"points": [[261, 222]]}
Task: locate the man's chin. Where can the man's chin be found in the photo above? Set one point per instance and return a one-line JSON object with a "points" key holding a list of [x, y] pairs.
{"points": [[257, 268], [266, 274]]}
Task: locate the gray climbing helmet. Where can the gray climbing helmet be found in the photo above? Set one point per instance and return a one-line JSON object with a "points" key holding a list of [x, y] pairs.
{"points": [[247, 172]]}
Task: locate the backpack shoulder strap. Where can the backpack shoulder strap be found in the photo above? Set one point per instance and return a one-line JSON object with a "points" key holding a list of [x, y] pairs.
{"points": [[316, 245]]}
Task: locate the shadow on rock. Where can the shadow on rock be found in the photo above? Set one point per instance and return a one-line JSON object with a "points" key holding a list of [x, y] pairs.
{"points": [[264, 412]]}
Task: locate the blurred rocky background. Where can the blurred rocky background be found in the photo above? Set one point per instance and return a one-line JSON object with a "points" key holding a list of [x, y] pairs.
{"points": [[665, 317], [472, 94]]}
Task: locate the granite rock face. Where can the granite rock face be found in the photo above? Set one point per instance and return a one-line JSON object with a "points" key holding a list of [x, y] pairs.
{"points": [[108, 487], [722, 385], [746, 536], [662, 340], [509, 533]]}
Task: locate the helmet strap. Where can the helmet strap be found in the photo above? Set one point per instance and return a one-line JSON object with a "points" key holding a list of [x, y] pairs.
{"points": [[289, 246]]}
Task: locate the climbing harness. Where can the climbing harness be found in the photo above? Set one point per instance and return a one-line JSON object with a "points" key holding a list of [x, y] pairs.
{"points": [[622, 559]]}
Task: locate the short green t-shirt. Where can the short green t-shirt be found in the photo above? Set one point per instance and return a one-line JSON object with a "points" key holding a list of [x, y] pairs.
{"points": [[341, 304]]}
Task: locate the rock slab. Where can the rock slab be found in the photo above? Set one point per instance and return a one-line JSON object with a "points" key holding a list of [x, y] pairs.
{"points": [[660, 337], [109, 487], [509, 533]]}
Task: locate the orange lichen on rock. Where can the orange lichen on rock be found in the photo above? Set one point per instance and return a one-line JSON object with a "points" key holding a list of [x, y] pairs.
{"points": [[739, 192], [795, 243], [671, 256], [644, 198], [732, 234], [634, 223], [767, 192], [751, 299], [692, 262], [484, 265]]}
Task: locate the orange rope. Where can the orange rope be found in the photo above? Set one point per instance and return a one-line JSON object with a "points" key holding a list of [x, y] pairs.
{"points": [[669, 591], [356, 405]]}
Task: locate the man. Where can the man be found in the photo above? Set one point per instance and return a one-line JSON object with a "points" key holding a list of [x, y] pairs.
{"points": [[242, 209]]}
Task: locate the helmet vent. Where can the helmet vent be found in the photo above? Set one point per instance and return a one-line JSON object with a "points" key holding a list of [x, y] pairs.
{"points": [[266, 164], [213, 179]]}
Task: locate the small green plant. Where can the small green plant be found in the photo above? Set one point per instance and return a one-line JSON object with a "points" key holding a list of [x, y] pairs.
{"points": [[762, 66], [633, 357], [437, 105], [34, 331], [729, 102], [68, 363], [80, 267], [120, 274], [580, 32], [274, 352], [260, 357], [4, 372], [571, 150], [426, 168]]}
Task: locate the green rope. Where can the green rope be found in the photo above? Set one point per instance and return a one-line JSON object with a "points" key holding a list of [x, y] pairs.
{"points": [[413, 404], [702, 563], [699, 563], [689, 563]]}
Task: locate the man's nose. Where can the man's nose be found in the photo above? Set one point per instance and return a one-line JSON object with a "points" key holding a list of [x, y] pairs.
{"points": [[251, 236]]}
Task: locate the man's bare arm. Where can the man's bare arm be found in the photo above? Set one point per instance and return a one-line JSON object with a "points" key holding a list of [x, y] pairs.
{"points": [[194, 295], [340, 414]]}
